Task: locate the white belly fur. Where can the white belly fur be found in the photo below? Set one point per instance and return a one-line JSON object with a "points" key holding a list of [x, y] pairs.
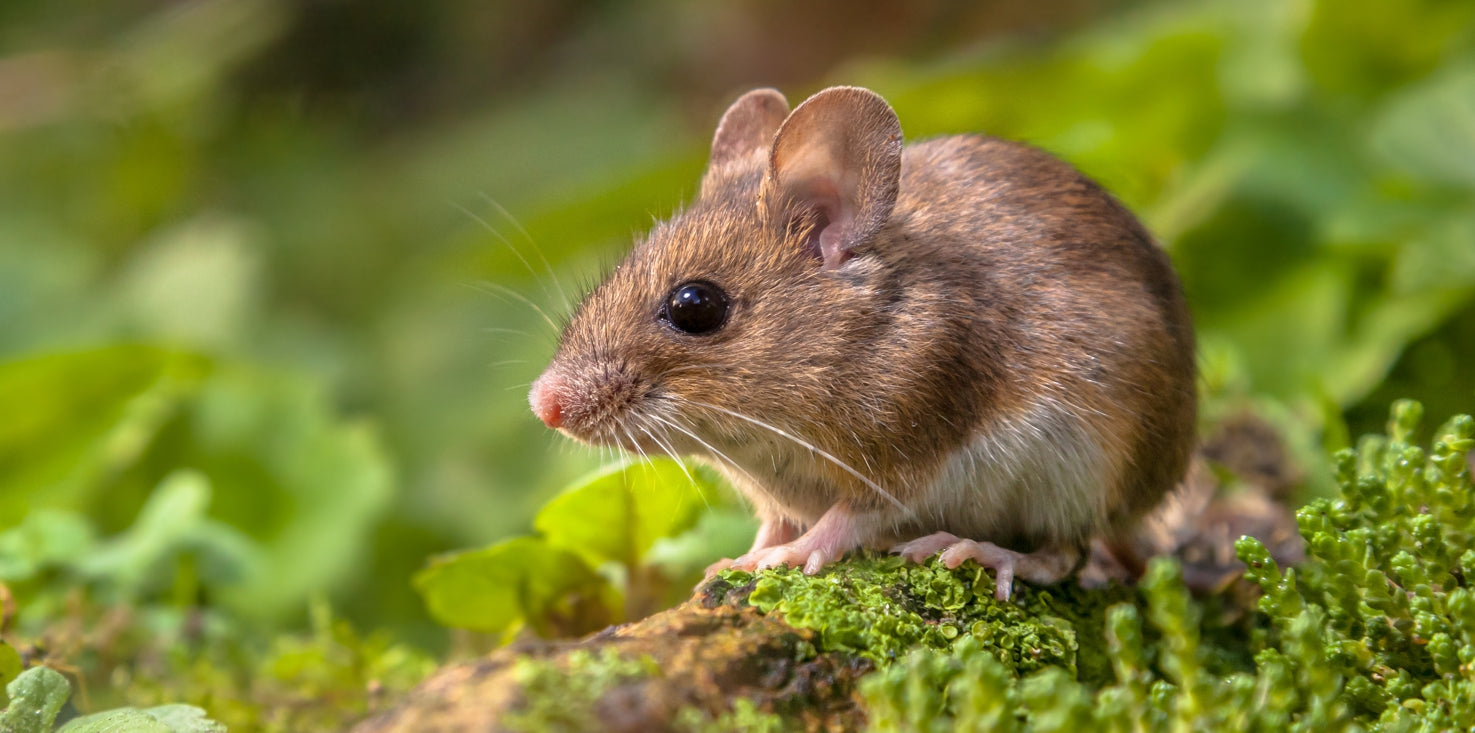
{"points": [[1043, 475], [1046, 475]]}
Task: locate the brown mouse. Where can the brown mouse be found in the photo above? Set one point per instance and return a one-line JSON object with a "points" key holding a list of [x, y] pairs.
{"points": [[963, 345]]}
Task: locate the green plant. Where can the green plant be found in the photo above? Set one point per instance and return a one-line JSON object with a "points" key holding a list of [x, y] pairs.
{"points": [[1376, 630], [38, 695], [591, 562]]}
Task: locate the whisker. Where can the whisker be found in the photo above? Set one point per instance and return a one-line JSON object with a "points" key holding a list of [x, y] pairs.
{"points": [[509, 331], [690, 434], [635, 444], [494, 288], [670, 453], [819, 451], [507, 242], [536, 249], [666, 446]]}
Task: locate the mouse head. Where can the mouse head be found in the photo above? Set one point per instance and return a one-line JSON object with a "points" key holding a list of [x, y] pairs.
{"points": [[750, 302]]}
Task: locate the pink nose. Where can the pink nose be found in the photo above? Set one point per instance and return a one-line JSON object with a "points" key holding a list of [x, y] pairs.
{"points": [[545, 400]]}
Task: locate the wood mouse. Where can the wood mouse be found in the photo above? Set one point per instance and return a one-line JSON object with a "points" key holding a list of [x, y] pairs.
{"points": [[961, 346]]}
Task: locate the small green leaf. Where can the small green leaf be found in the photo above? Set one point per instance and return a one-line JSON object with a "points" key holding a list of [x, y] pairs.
{"points": [[70, 417], [44, 537], [172, 525], [184, 719], [323, 484], [516, 580], [1423, 130], [617, 514], [162, 719], [10, 668], [177, 505], [116, 721], [722, 532], [36, 696]]}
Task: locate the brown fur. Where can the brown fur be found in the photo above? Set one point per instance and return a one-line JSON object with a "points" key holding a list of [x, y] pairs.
{"points": [[980, 293]]}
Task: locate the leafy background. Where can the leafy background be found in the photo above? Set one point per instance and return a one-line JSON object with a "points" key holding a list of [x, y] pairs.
{"points": [[270, 274]]}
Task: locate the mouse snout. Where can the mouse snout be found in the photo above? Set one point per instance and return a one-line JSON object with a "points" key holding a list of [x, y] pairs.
{"points": [[589, 402], [546, 399]]}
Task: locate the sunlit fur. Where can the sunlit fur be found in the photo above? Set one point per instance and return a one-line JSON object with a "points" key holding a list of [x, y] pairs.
{"points": [[1008, 358]]}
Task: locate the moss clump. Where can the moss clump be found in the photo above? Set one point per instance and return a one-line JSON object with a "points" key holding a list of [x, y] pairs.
{"points": [[744, 717], [564, 694], [882, 607], [1375, 631]]}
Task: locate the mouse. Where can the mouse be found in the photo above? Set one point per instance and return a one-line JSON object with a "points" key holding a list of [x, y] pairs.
{"points": [[959, 346]]}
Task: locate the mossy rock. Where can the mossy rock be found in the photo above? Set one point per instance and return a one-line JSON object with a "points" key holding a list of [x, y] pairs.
{"points": [[1374, 631], [790, 647]]}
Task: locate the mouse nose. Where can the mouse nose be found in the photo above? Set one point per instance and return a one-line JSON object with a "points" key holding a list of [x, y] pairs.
{"points": [[545, 400]]}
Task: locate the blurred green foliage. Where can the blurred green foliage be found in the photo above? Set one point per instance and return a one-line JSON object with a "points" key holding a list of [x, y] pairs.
{"points": [[263, 265], [319, 680]]}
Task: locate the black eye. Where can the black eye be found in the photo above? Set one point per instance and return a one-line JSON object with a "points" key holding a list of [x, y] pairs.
{"points": [[696, 307]]}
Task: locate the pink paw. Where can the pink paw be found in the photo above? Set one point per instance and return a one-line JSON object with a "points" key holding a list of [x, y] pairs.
{"points": [[797, 553], [1042, 567], [918, 550], [718, 566], [830, 538]]}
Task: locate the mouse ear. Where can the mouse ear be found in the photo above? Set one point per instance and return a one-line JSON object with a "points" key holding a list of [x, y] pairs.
{"points": [[748, 125], [836, 164]]}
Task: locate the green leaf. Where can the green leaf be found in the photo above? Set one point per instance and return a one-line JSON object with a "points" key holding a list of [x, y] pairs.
{"points": [[171, 524], [1365, 47], [722, 532], [162, 719], [196, 284], [184, 719], [522, 579], [72, 417], [36, 696], [617, 514], [315, 487], [44, 537], [1424, 130], [116, 721], [177, 505], [10, 667]]}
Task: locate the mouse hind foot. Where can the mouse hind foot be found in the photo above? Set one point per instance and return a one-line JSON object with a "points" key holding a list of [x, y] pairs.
{"points": [[1041, 567]]}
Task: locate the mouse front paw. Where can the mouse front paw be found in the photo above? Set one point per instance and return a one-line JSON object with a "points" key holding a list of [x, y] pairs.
{"points": [[1041, 567], [835, 534], [718, 567], [809, 555]]}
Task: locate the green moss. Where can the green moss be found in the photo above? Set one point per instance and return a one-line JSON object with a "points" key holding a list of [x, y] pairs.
{"points": [[744, 717], [1375, 631], [881, 607], [561, 695]]}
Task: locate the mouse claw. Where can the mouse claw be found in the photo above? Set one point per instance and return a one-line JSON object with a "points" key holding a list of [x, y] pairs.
{"points": [[1042, 567], [918, 550], [747, 561], [719, 566], [776, 556], [795, 554], [989, 555], [815, 563], [825, 542]]}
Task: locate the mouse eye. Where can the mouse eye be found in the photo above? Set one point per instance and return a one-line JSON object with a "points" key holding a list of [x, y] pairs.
{"points": [[695, 307]]}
